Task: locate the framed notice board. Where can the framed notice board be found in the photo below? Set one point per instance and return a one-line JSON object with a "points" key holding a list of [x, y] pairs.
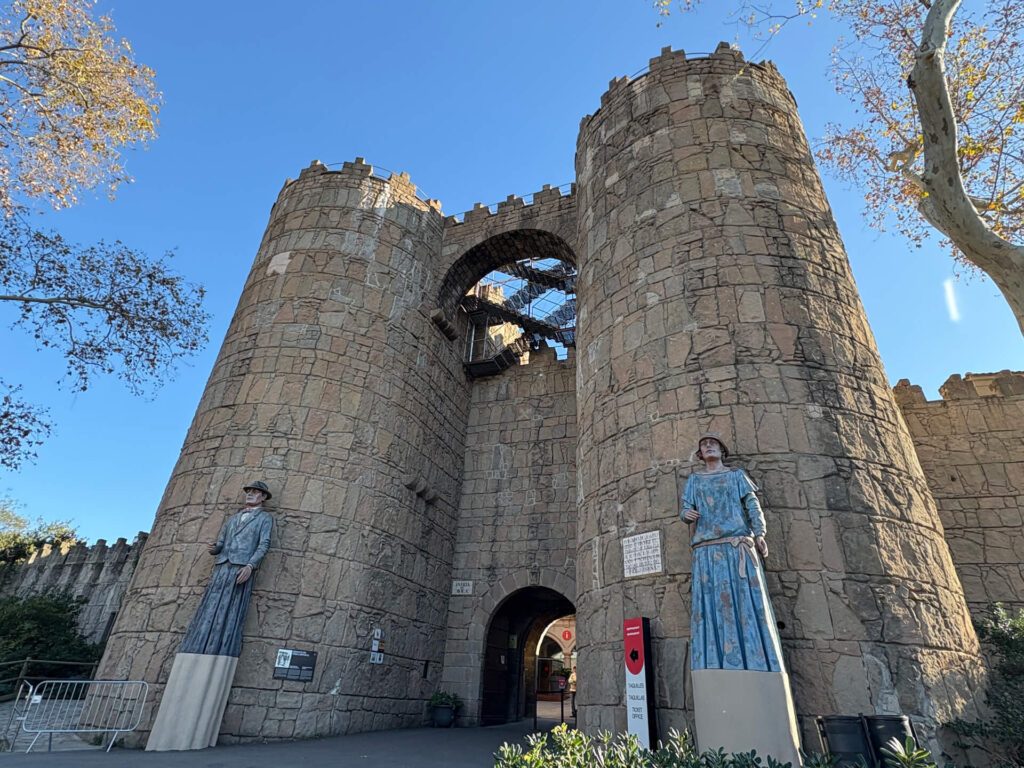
{"points": [[293, 664]]}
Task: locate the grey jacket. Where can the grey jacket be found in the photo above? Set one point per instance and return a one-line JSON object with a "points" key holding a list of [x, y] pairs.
{"points": [[244, 543]]}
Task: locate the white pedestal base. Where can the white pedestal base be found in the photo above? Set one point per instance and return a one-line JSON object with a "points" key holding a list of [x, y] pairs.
{"points": [[193, 703], [739, 710]]}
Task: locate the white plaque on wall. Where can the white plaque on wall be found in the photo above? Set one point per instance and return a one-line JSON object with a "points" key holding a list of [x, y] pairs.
{"points": [[462, 587], [641, 554]]}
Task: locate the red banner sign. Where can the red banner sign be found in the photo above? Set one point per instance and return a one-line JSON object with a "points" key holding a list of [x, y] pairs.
{"points": [[636, 645], [633, 639]]}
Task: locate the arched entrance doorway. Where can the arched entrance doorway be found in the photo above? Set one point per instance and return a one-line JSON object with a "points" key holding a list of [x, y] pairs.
{"points": [[510, 651]]}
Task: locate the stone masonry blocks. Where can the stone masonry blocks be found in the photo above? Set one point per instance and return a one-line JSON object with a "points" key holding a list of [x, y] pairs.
{"points": [[714, 294], [971, 448], [517, 516], [333, 386]]}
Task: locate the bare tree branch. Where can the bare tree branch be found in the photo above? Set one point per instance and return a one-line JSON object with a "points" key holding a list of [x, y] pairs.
{"points": [[947, 206], [946, 155]]}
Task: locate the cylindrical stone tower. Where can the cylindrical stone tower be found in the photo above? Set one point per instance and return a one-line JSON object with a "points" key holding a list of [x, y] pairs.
{"points": [[715, 294], [333, 386]]}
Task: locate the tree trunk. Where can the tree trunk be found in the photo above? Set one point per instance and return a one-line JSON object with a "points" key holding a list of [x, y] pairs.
{"points": [[948, 207]]}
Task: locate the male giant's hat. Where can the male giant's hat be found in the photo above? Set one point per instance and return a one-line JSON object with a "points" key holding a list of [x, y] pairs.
{"points": [[714, 436], [258, 485]]}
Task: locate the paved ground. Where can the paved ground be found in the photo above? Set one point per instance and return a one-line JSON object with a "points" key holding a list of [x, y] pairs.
{"points": [[409, 748]]}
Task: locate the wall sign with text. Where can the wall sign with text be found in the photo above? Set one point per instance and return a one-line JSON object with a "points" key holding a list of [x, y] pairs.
{"points": [[293, 664], [641, 554]]}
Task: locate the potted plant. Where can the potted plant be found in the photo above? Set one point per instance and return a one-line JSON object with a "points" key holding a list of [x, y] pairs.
{"points": [[443, 706]]}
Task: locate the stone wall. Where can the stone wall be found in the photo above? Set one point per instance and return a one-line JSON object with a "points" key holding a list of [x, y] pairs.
{"points": [[715, 294], [971, 448], [99, 573], [517, 516], [333, 386]]}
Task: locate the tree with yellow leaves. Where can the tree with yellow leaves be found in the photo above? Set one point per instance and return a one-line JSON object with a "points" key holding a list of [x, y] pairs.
{"points": [[940, 141], [72, 98]]}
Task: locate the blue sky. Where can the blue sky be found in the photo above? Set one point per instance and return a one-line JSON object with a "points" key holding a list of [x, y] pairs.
{"points": [[476, 101]]}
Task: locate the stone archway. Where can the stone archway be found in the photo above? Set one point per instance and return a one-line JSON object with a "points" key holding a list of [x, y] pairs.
{"points": [[506, 293], [509, 652], [492, 253], [465, 660]]}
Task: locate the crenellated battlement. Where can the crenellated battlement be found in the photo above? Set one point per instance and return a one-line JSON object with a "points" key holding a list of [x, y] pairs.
{"points": [[100, 573], [971, 447], [80, 552], [724, 53], [358, 166], [970, 386], [513, 203], [360, 170]]}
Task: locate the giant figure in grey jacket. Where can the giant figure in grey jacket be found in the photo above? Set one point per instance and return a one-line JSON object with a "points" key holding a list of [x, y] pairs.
{"points": [[216, 627]]}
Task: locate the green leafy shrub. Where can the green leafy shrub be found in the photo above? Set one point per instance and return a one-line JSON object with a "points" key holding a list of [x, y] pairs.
{"points": [[19, 538], [43, 627], [445, 699], [1001, 734], [907, 755], [565, 748]]}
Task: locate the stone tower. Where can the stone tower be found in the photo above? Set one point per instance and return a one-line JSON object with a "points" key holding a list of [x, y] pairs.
{"points": [[715, 294], [334, 386]]}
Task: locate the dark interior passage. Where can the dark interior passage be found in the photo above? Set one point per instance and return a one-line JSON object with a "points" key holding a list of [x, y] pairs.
{"points": [[511, 652]]}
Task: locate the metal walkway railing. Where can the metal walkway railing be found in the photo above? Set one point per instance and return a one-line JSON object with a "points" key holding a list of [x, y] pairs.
{"points": [[36, 670], [83, 706]]}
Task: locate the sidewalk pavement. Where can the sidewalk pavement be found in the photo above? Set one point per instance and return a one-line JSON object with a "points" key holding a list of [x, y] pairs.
{"points": [[408, 748]]}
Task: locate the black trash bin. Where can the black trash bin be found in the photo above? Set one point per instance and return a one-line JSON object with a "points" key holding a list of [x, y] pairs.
{"points": [[846, 737]]}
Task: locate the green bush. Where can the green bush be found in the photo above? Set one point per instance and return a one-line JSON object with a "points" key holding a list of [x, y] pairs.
{"points": [[564, 748], [43, 627], [907, 755], [19, 538], [445, 699], [1001, 734]]}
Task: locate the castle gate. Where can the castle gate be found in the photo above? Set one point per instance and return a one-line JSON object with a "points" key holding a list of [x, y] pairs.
{"points": [[510, 652], [432, 497]]}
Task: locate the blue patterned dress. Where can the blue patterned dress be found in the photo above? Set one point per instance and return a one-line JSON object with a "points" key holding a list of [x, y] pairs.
{"points": [[732, 625]]}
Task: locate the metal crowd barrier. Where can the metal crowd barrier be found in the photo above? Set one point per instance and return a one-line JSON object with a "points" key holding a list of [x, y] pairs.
{"points": [[84, 706], [9, 736]]}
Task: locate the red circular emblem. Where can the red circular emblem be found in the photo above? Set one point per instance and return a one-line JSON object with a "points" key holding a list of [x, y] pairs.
{"points": [[567, 634]]}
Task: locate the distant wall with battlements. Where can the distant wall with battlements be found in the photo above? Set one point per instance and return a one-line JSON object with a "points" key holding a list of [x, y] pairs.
{"points": [[100, 573], [971, 448]]}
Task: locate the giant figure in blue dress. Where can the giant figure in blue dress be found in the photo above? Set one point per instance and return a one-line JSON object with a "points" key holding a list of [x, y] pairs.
{"points": [[741, 695], [732, 625]]}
